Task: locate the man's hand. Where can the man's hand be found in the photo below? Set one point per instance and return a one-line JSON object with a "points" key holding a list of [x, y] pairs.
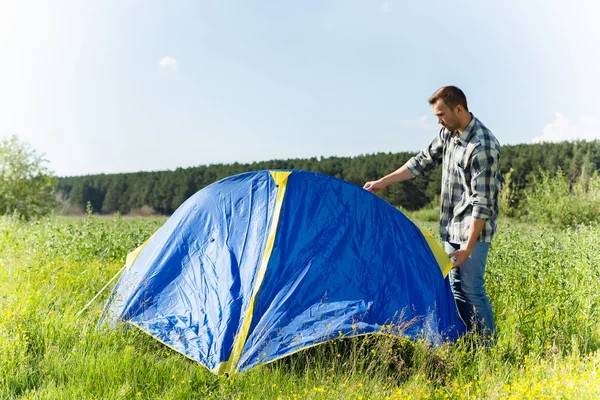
{"points": [[474, 232], [459, 257], [374, 186], [399, 175]]}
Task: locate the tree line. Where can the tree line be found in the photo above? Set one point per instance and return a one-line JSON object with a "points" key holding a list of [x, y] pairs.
{"points": [[164, 191]]}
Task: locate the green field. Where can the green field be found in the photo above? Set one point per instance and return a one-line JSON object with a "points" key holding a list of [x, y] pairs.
{"points": [[544, 286]]}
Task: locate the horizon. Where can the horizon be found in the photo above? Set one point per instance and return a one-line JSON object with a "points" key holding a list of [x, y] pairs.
{"points": [[319, 159]]}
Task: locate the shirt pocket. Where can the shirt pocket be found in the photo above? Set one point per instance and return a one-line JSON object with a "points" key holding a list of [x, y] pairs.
{"points": [[462, 172]]}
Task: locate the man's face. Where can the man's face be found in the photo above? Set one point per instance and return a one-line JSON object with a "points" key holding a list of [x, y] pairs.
{"points": [[445, 116]]}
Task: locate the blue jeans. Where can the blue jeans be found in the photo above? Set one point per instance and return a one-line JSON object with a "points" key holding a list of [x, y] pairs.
{"points": [[467, 283]]}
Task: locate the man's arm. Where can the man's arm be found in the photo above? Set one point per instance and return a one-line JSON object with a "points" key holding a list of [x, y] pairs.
{"points": [[399, 175], [426, 160]]}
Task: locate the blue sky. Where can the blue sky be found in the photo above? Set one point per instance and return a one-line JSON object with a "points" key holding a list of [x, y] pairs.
{"points": [[122, 86]]}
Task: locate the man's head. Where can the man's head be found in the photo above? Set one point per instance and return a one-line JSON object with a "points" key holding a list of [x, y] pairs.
{"points": [[450, 107]]}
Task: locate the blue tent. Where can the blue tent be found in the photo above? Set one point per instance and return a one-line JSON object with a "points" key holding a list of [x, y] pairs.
{"points": [[263, 264]]}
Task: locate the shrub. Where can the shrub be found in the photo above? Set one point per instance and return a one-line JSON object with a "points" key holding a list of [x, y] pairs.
{"points": [[26, 184], [554, 201]]}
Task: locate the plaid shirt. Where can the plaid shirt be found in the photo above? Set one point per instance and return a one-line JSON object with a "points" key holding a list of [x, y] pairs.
{"points": [[470, 179]]}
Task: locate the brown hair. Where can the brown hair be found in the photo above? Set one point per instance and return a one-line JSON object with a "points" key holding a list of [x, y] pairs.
{"points": [[451, 95]]}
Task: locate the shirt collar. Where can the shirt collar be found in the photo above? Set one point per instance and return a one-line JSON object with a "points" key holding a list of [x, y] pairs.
{"points": [[469, 132]]}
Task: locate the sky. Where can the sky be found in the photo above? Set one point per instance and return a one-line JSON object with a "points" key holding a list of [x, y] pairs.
{"points": [[124, 85]]}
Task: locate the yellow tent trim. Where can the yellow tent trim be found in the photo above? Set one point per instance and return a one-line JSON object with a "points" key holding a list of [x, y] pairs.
{"points": [[280, 178], [131, 257], [439, 253]]}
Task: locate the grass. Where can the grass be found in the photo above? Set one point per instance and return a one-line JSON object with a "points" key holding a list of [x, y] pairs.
{"points": [[544, 286], [429, 213]]}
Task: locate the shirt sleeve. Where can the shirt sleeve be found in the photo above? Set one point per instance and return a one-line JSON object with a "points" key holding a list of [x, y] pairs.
{"points": [[485, 164], [429, 158]]}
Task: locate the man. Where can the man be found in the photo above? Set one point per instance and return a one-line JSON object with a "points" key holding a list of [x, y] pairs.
{"points": [[470, 156]]}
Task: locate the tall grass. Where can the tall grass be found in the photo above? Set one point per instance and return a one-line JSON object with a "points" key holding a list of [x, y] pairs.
{"points": [[429, 213], [544, 286], [553, 200]]}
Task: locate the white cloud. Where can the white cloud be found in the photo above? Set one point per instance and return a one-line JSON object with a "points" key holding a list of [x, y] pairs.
{"points": [[168, 62], [560, 130], [385, 7]]}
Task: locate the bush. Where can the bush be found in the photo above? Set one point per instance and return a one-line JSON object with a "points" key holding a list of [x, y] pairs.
{"points": [[554, 201], [26, 184], [508, 198]]}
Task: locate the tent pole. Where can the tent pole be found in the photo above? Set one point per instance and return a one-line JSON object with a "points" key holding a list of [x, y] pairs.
{"points": [[101, 290]]}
